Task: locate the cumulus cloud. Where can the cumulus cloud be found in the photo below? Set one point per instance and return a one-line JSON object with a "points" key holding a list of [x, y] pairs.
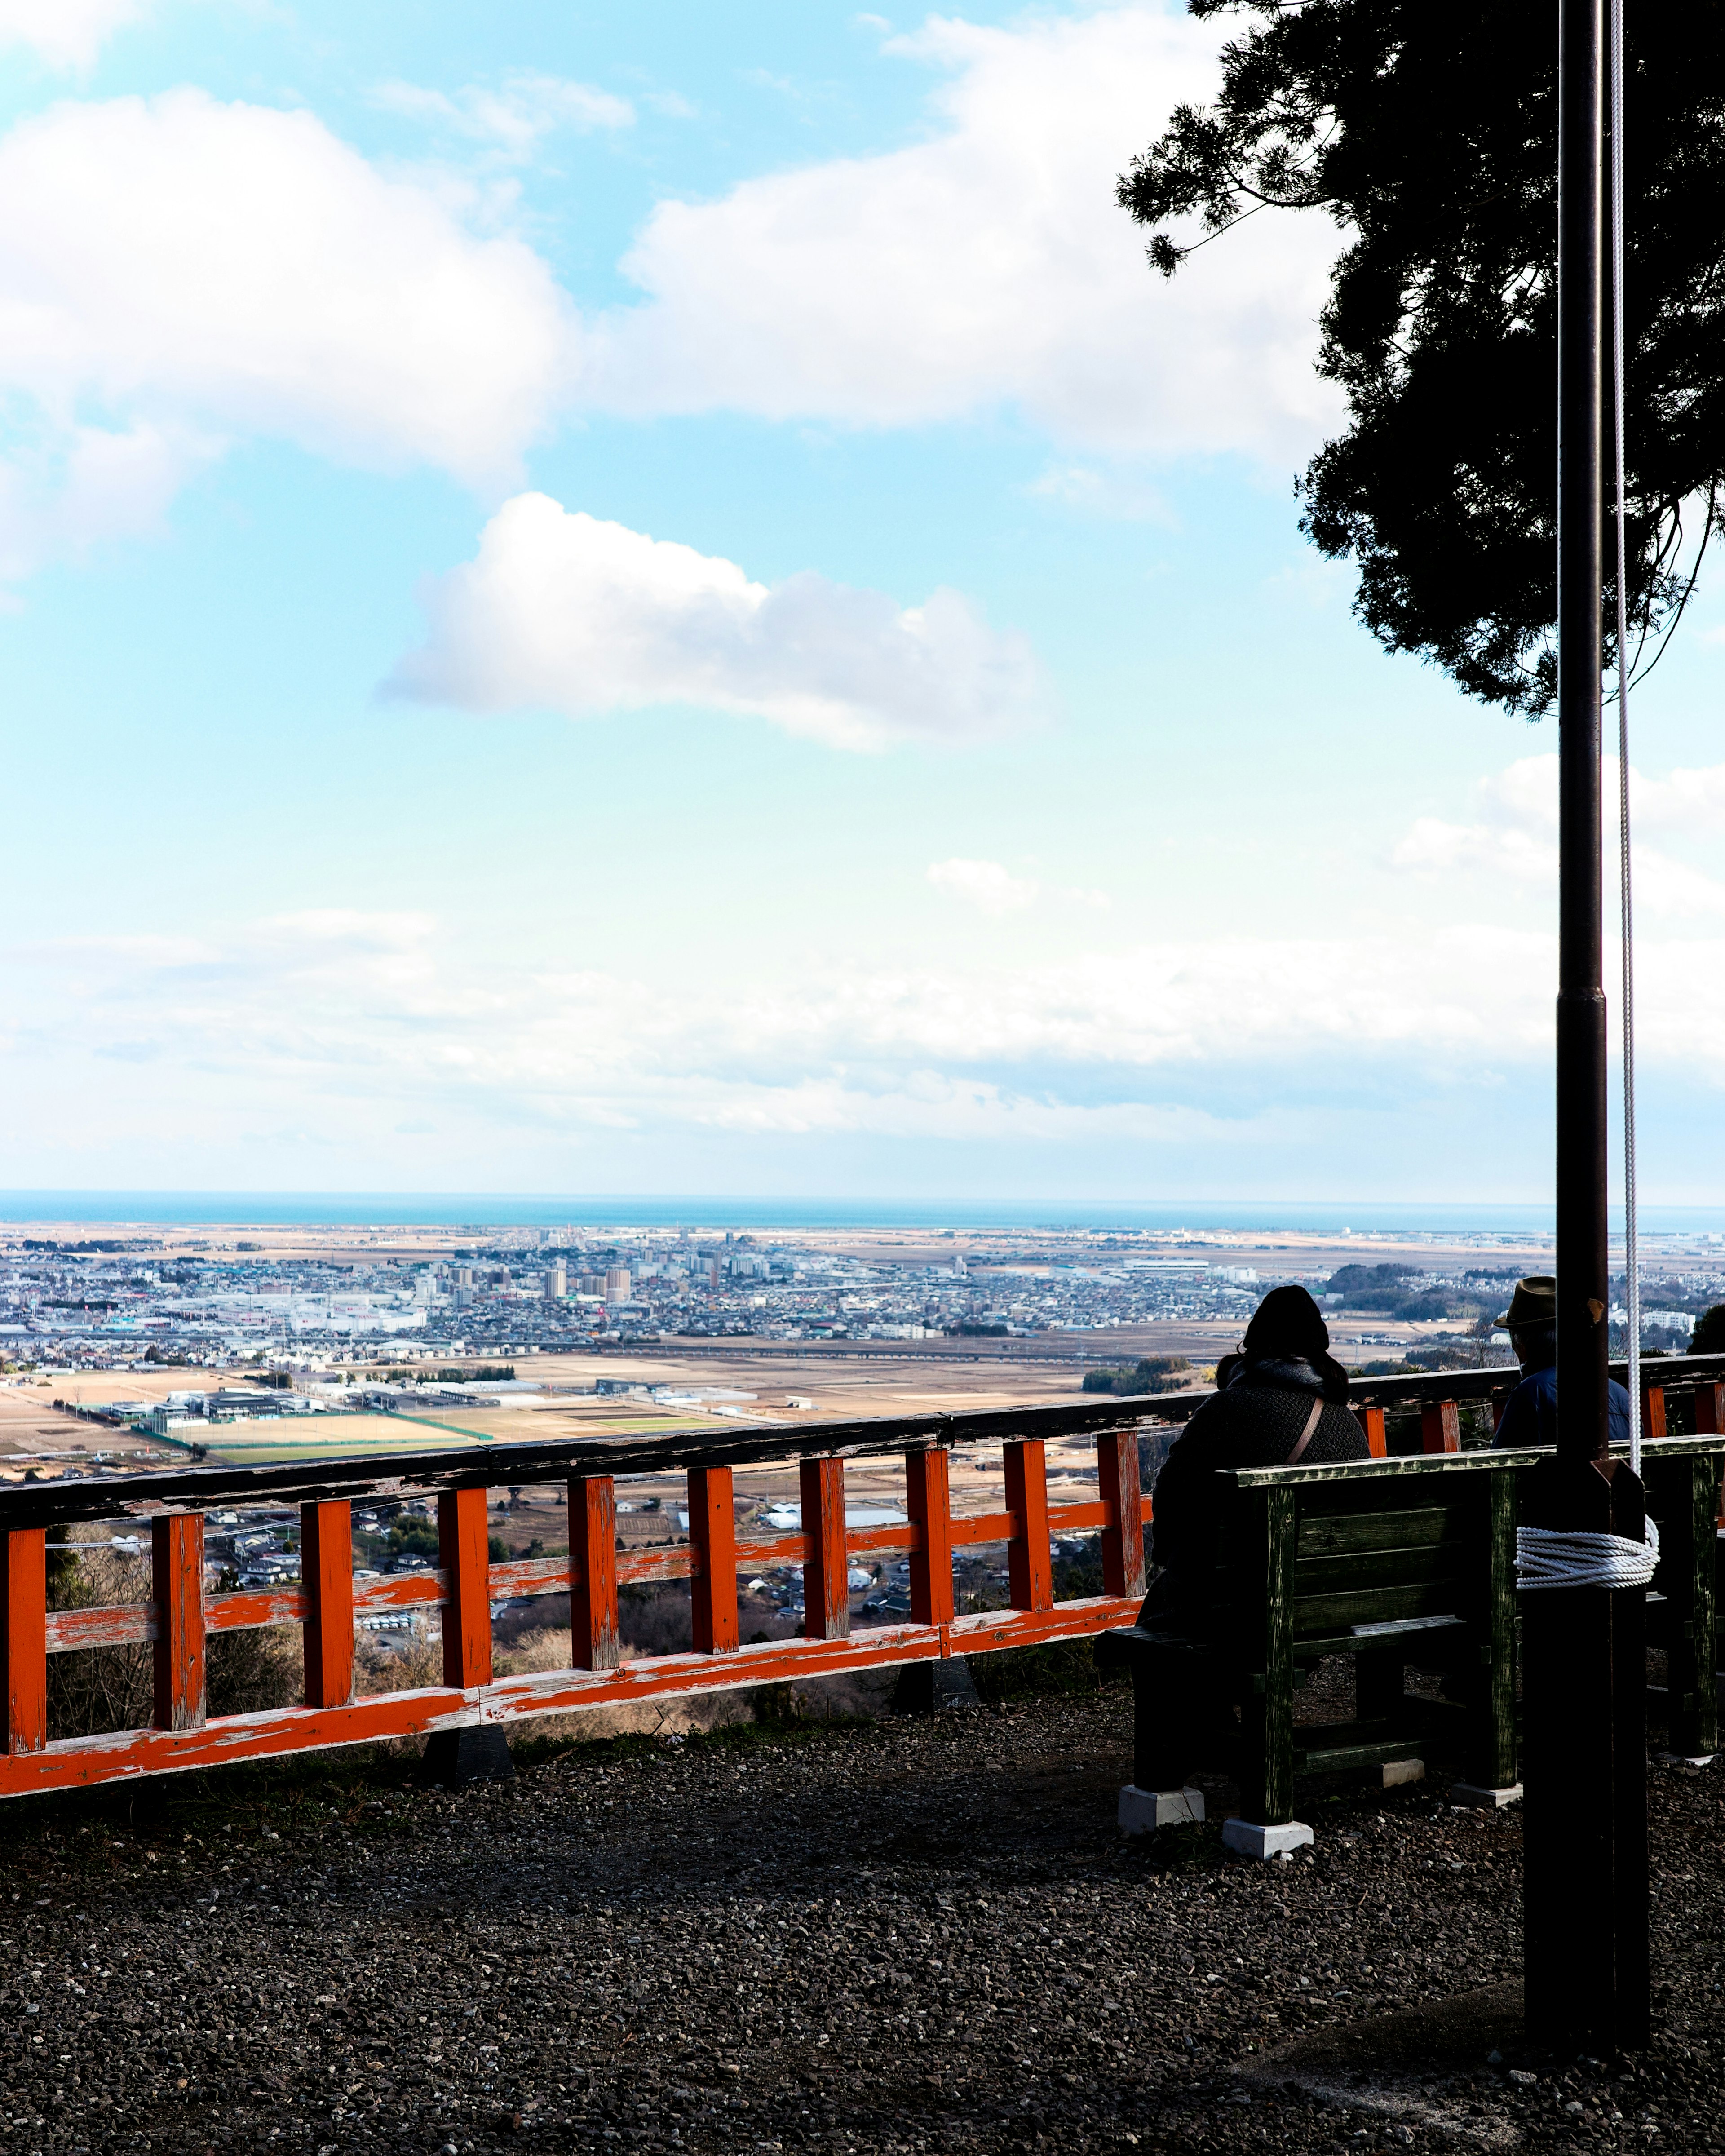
{"points": [[986, 266], [985, 885], [565, 611], [65, 33], [175, 272], [513, 120]]}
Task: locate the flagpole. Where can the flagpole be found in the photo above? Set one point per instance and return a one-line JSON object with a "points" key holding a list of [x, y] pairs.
{"points": [[1584, 1647]]}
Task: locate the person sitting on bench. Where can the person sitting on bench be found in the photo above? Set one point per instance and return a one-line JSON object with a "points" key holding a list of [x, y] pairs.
{"points": [[1281, 1399], [1530, 1415]]}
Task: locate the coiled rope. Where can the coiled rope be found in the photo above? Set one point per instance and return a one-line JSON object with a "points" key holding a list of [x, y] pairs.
{"points": [[1546, 1557], [1632, 1268]]}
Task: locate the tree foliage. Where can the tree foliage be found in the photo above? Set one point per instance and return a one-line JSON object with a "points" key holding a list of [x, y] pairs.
{"points": [[1708, 1337], [1429, 134]]}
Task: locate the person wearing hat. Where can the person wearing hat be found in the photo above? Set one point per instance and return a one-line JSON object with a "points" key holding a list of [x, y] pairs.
{"points": [[1530, 1415], [1281, 1398]]}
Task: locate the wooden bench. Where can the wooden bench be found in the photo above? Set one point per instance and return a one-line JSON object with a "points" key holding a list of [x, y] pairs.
{"points": [[1391, 1561], [1386, 1561]]}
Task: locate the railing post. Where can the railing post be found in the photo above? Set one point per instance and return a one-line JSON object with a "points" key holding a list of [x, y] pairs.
{"points": [[592, 1593], [1030, 1562], [927, 1499], [23, 1612], [176, 1589], [1122, 1493], [713, 1541], [1710, 1422], [826, 1563], [1440, 1427], [1653, 1411], [327, 1574], [1371, 1421], [462, 1537]]}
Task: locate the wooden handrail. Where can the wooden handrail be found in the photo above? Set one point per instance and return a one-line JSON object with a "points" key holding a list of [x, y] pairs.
{"points": [[487, 1466], [181, 1616], [1433, 1387]]}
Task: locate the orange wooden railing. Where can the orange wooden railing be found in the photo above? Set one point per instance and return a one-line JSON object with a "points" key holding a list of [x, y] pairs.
{"points": [[180, 1616]]}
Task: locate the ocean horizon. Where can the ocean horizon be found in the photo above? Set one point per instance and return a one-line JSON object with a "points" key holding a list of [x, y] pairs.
{"points": [[478, 1210]]}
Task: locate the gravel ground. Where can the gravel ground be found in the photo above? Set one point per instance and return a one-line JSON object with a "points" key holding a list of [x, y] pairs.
{"points": [[895, 1935]]}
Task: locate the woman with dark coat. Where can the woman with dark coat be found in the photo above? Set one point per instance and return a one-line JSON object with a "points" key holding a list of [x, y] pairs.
{"points": [[1281, 1398]]}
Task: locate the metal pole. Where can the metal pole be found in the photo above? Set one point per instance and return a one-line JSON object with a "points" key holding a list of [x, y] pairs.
{"points": [[1584, 1661]]}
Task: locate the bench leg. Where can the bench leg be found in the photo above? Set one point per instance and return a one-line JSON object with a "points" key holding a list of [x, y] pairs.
{"points": [[1687, 1568], [1266, 1778], [1491, 1760]]}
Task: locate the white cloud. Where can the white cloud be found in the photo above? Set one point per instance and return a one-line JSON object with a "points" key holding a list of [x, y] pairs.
{"points": [[511, 121], [175, 272], [65, 33], [992, 889], [985, 885], [1118, 494], [388, 999], [986, 266], [565, 611], [1236, 1057], [1514, 834]]}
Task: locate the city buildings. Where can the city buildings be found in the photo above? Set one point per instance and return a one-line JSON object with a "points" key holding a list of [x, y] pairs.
{"points": [[114, 1303]]}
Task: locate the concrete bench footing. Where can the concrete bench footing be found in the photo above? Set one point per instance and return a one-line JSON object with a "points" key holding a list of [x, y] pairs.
{"points": [[1397, 1773], [1490, 1801], [1142, 1811], [1264, 1842]]}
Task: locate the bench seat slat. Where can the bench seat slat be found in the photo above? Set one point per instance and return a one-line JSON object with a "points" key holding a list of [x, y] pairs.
{"points": [[1340, 1613]]}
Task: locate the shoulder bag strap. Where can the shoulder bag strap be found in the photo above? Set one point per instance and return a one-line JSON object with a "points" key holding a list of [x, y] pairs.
{"points": [[1312, 1423]]}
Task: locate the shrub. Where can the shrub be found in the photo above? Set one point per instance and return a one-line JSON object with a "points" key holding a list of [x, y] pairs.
{"points": [[1708, 1337], [1151, 1373], [94, 1690]]}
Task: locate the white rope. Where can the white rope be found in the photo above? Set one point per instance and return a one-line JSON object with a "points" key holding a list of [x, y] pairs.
{"points": [[1545, 1557], [1632, 1268]]}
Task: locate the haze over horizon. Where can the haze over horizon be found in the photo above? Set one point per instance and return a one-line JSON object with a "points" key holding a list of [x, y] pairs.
{"points": [[665, 605]]}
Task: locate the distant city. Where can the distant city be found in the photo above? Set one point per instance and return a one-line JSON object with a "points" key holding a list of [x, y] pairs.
{"points": [[105, 1302]]}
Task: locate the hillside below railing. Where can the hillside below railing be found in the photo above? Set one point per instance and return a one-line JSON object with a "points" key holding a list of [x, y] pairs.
{"points": [[181, 1614]]}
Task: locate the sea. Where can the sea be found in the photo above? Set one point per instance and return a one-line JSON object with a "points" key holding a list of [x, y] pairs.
{"points": [[480, 1209]]}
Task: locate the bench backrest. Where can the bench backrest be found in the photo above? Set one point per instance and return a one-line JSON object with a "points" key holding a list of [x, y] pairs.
{"points": [[1382, 1541]]}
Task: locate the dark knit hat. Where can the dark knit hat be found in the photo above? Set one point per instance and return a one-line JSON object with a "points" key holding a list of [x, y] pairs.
{"points": [[1286, 1322]]}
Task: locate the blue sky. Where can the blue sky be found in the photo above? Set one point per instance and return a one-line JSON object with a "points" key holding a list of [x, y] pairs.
{"points": [[604, 599]]}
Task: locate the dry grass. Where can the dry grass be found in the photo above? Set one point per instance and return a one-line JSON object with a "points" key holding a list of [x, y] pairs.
{"points": [[93, 1691]]}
